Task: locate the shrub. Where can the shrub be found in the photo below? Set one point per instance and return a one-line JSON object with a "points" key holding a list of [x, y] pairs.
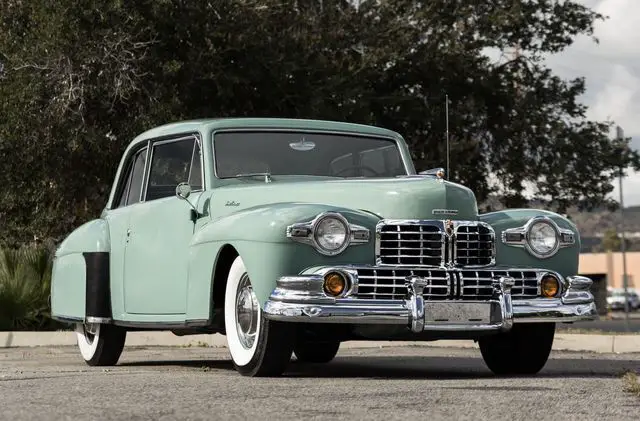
{"points": [[25, 289]]}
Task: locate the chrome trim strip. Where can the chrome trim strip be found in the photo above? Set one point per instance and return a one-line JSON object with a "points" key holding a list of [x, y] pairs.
{"points": [[103, 320], [520, 236]]}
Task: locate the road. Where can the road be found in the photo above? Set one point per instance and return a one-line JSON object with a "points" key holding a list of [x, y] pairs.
{"points": [[613, 325], [360, 384]]}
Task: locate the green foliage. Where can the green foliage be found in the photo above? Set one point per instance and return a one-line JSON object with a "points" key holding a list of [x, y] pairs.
{"points": [[25, 283], [611, 241], [79, 79]]}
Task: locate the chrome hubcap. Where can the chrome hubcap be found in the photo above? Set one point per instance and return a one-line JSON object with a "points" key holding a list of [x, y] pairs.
{"points": [[247, 313], [90, 330]]}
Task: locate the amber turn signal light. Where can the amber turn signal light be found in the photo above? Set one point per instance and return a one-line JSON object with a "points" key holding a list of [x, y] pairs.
{"points": [[334, 284], [550, 286]]}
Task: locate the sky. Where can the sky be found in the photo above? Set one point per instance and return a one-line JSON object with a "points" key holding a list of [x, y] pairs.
{"points": [[612, 72]]}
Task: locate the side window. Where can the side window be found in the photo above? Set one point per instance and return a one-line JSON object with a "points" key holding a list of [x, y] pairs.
{"points": [[170, 166], [195, 172], [137, 178], [130, 193]]}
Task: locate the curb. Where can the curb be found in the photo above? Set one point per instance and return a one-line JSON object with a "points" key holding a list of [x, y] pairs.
{"points": [[563, 342]]}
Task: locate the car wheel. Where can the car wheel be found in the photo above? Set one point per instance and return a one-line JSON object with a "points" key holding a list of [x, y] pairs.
{"points": [[316, 351], [258, 347], [100, 344], [522, 351]]}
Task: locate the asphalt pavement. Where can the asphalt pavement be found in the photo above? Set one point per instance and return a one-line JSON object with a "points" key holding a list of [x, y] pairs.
{"points": [[411, 382]]}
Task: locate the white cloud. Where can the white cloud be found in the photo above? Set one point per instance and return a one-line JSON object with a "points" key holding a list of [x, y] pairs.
{"points": [[612, 72]]}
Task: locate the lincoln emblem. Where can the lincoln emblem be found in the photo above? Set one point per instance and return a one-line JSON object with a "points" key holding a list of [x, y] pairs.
{"points": [[448, 224]]}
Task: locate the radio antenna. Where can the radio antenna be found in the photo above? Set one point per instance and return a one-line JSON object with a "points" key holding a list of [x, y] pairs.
{"points": [[446, 112]]}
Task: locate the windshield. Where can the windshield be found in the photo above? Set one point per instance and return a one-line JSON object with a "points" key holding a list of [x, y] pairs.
{"points": [[313, 154]]}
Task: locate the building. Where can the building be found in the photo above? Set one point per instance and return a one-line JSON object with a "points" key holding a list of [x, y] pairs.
{"points": [[605, 269], [610, 265]]}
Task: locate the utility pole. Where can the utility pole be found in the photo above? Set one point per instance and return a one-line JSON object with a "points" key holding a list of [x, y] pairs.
{"points": [[623, 246]]}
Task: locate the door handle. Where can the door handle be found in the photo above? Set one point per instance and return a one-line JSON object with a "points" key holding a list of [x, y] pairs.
{"points": [[128, 232]]}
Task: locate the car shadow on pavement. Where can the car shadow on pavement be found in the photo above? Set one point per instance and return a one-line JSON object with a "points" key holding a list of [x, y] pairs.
{"points": [[416, 367]]}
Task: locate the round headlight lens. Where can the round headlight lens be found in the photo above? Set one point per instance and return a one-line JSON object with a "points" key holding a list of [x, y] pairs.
{"points": [[331, 234], [543, 238]]}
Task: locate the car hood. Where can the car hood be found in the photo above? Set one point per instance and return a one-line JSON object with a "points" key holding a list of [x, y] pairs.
{"points": [[416, 197]]}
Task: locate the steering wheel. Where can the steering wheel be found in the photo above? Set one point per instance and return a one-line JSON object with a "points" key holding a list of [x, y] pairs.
{"points": [[362, 167]]}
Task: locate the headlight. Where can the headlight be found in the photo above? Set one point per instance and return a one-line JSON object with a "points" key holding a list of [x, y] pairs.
{"points": [[332, 234], [543, 239], [540, 236], [329, 233]]}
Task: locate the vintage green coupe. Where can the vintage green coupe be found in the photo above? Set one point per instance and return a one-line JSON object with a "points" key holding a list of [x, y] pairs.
{"points": [[291, 236]]}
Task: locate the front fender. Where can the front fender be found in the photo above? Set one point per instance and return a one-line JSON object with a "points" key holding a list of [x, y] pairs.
{"points": [[259, 236], [565, 261], [268, 223]]}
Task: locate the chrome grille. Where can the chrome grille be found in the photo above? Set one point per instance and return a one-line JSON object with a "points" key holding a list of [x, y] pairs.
{"points": [[414, 245], [474, 245], [431, 243], [476, 285], [389, 283]]}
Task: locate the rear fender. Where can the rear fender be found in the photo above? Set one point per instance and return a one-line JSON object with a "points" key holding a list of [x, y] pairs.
{"points": [[80, 277]]}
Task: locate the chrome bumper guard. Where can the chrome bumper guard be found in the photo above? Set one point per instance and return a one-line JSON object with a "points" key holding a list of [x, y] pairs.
{"points": [[302, 299]]}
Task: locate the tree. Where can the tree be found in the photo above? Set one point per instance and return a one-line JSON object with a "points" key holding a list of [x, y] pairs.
{"points": [[611, 241], [78, 82]]}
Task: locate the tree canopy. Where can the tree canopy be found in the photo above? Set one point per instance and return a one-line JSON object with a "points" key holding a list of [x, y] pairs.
{"points": [[80, 78]]}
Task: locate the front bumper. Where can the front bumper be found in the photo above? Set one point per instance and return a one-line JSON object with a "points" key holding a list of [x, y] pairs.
{"points": [[301, 299]]}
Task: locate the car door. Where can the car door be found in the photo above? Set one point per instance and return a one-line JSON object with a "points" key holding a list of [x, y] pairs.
{"points": [[128, 193], [160, 229]]}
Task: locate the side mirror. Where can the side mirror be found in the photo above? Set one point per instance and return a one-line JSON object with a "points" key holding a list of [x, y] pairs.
{"points": [[183, 190]]}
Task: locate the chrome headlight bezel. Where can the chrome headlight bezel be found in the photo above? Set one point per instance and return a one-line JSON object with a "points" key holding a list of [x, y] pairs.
{"points": [[306, 233], [521, 236], [529, 239]]}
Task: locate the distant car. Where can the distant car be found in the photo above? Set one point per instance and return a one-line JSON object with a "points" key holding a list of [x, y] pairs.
{"points": [[616, 299], [291, 236]]}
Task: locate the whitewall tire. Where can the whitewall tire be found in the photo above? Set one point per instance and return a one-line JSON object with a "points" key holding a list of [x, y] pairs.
{"points": [[258, 347], [100, 344]]}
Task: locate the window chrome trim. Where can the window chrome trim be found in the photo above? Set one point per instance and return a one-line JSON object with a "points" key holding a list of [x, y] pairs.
{"points": [[304, 232], [214, 132], [520, 236]]}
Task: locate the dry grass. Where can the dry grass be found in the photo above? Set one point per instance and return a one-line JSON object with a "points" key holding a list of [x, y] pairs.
{"points": [[631, 384]]}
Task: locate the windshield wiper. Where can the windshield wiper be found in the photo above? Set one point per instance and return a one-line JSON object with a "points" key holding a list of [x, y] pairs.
{"points": [[266, 175]]}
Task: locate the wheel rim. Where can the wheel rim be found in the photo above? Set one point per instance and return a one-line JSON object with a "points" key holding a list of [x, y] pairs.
{"points": [[90, 330], [88, 335], [247, 313]]}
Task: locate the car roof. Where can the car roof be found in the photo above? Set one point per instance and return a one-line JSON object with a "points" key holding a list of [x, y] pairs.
{"points": [[211, 124]]}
